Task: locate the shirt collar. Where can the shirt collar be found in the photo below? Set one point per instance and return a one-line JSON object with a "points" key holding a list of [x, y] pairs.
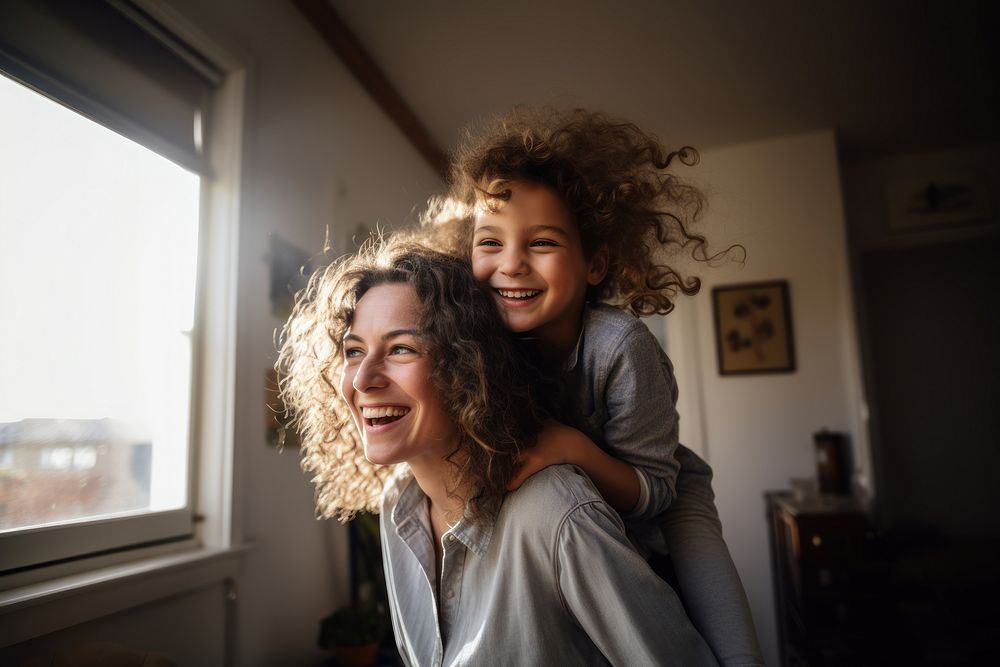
{"points": [[410, 499], [412, 506], [475, 536]]}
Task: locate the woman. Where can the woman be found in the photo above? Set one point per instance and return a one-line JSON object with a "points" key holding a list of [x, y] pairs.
{"points": [[408, 393]]}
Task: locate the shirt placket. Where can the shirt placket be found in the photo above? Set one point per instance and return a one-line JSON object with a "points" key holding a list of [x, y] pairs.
{"points": [[452, 567], [417, 537]]}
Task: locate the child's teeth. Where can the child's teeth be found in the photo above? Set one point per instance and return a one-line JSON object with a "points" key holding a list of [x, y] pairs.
{"points": [[518, 294], [388, 411]]}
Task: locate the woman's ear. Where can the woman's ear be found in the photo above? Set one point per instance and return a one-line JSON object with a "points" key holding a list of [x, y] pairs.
{"points": [[598, 266]]}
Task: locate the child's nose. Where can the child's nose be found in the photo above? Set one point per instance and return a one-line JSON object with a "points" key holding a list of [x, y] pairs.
{"points": [[512, 263]]}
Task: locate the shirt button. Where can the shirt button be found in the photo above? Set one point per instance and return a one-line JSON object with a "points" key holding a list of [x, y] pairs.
{"points": [[451, 538]]}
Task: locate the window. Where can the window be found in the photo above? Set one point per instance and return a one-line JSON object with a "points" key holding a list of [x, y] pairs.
{"points": [[103, 183]]}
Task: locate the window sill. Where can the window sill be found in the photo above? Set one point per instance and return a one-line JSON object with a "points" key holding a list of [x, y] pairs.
{"points": [[36, 609]]}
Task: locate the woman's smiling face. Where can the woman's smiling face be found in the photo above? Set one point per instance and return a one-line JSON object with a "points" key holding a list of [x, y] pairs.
{"points": [[386, 381]]}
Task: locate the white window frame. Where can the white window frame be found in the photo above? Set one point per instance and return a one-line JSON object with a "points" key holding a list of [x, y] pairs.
{"points": [[213, 386]]}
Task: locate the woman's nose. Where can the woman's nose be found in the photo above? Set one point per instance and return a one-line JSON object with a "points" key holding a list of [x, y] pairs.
{"points": [[369, 375]]}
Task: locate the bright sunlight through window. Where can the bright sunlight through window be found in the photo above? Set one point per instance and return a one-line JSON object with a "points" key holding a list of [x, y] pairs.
{"points": [[98, 254]]}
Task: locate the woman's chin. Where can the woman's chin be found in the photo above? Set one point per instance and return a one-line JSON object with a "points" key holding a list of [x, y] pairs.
{"points": [[382, 456]]}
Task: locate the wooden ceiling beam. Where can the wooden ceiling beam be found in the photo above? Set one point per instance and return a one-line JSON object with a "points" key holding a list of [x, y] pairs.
{"points": [[352, 53]]}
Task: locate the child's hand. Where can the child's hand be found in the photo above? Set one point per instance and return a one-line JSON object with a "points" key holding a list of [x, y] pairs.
{"points": [[616, 480], [557, 444]]}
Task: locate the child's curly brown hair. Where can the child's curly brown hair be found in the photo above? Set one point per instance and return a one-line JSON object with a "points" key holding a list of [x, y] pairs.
{"points": [[611, 176], [483, 378]]}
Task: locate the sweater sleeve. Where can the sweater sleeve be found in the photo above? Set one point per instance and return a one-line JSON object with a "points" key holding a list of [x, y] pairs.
{"points": [[642, 424]]}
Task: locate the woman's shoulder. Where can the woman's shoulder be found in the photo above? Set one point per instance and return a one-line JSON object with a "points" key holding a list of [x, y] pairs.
{"points": [[552, 493], [558, 498]]}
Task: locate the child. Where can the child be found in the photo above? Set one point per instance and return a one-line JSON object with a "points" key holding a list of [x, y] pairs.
{"points": [[557, 213]]}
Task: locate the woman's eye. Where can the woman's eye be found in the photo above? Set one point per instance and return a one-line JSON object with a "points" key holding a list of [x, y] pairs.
{"points": [[401, 349], [352, 352]]}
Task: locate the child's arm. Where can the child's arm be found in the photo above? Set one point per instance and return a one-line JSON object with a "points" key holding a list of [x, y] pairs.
{"points": [[617, 482], [640, 426], [635, 471]]}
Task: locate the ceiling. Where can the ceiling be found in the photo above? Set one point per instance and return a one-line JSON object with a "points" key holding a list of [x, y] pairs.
{"points": [[889, 76]]}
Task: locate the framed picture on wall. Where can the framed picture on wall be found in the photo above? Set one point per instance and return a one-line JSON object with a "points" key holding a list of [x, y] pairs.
{"points": [[945, 199], [290, 271], [753, 328]]}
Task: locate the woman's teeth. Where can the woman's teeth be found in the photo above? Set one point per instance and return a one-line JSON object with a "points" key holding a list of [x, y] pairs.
{"points": [[518, 293], [383, 415]]}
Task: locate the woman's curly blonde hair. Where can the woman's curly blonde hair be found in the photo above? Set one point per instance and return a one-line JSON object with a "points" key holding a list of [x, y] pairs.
{"points": [[484, 380], [611, 176]]}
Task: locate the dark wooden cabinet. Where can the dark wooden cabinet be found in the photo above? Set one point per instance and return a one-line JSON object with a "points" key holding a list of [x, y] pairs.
{"points": [[847, 596], [818, 562]]}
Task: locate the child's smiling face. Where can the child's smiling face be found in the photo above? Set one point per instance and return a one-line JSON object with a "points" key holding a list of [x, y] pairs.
{"points": [[530, 255]]}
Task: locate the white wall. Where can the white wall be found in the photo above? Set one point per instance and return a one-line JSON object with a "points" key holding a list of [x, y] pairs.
{"points": [[781, 199], [318, 152]]}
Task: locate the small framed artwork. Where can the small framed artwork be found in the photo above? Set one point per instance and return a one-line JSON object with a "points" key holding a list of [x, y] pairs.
{"points": [[944, 199], [290, 271], [753, 328]]}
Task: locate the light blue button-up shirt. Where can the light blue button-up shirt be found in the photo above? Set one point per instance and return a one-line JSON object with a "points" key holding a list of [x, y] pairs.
{"points": [[553, 580]]}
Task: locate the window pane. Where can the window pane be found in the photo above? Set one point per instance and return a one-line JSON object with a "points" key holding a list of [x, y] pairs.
{"points": [[98, 254]]}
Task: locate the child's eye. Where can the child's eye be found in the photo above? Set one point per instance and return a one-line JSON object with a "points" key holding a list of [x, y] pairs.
{"points": [[544, 243], [489, 243]]}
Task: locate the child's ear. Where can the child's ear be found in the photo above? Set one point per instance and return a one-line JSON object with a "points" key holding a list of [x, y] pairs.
{"points": [[598, 266]]}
